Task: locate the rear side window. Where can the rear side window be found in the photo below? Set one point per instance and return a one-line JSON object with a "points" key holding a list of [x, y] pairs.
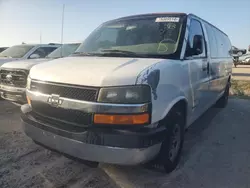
{"points": [[212, 41], [44, 51], [220, 45]]}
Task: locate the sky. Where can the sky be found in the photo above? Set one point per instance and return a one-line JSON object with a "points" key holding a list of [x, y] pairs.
{"points": [[24, 20]]}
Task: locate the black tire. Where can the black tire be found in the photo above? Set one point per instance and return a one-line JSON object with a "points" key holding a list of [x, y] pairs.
{"points": [[166, 158], [222, 102]]}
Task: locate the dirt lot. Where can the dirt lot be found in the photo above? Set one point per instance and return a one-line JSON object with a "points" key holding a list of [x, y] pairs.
{"points": [[242, 72], [216, 154]]}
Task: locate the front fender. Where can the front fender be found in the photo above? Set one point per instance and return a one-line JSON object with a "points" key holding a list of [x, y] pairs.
{"points": [[169, 84], [167, 96], [171, 105]]}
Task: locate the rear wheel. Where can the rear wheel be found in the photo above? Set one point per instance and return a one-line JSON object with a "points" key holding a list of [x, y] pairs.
{"points": [[222, 102], [171, 148]]}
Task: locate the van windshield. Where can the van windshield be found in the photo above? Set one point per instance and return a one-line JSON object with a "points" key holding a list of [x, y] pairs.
{"points": [[149, 36], [64, 50], [17, 51]]}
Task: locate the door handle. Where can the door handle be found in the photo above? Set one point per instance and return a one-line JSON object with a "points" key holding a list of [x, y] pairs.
{"points": [[205, 67]]}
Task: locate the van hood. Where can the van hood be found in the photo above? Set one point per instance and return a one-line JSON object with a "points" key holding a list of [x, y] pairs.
{"points": [[92, 71], [7, 59], [23, 64]]}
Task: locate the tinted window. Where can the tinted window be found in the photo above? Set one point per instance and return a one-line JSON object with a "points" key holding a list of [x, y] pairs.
{"points": [[195, 29], [64, 50], [44, 51], [16, 51], [212, 41], [219, 43]]}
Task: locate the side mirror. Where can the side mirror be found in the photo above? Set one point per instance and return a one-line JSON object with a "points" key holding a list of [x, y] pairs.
{"points": [[34, 56], [197, 45]]}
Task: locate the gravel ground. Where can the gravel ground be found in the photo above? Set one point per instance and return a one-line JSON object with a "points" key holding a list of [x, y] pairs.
{"points": [[241, 72], [216, 154]]}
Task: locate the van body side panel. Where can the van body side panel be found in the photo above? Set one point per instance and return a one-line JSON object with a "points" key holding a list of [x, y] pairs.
{"points": [[220, 60]]}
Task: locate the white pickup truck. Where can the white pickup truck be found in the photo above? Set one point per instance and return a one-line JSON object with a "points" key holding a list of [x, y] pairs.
{"points": [[26, 51], [130, 91], [13, 75]]}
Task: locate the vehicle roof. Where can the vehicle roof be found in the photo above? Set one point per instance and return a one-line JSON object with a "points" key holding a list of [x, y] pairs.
{"points": [[37, 45], [165, 13], [73, 43], [150, 14], [208, 23]]}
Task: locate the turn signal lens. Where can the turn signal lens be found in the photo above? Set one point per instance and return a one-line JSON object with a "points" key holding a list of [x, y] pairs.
{"points": [[121, 119], [28, 100]]}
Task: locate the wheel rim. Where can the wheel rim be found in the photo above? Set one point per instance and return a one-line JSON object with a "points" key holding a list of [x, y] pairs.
{"points": [[175, 142]]}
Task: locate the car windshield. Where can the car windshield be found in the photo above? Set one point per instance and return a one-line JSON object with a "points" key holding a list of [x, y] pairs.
{"points": [[16, 51], [151, 36], [64, 50]]}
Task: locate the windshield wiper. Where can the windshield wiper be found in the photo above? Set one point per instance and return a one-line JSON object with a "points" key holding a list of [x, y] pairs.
{"points": [[85, 54], [119, 51], [110, 53], [6, 56]]}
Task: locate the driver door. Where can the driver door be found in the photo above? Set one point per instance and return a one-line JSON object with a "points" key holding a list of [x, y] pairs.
{"points": [[198, 70]]}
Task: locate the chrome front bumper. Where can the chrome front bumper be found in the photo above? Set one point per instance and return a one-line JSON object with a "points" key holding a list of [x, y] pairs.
{"points": [[15, 94], [91, 152], [95, 143], [99, 144]]}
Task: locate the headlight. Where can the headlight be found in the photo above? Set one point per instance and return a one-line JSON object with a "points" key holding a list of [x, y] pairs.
{"points": [[28, 83], [125, 95]]}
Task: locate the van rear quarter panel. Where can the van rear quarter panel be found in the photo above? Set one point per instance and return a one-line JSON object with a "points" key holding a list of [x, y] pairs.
{"points": [[169, 82]]}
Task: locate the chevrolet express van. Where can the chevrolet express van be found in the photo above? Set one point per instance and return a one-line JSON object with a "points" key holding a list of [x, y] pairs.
{"points": [[13, 75], [130, 90]]}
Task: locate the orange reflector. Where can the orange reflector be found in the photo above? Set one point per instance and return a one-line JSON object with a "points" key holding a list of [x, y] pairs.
{"points": [[121, 119], [28, 100]]}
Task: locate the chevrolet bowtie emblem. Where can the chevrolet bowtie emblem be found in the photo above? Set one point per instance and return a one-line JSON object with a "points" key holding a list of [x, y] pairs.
{"points": [[54, 100], [9, 77]]}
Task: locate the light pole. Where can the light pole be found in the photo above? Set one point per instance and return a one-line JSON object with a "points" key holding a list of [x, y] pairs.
{"points": [[62, 28]]}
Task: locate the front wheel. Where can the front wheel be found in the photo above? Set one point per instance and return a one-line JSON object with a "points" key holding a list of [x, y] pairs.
{"points": [[170, 153]]}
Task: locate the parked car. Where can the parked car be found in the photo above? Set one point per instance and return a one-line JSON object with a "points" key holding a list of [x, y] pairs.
{"points": [[3, 48], [26, 51], [238, 52], [13, 75], [246, 60], [129, 92]]}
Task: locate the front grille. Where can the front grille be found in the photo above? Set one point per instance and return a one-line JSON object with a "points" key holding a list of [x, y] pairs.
{"points": [[16, 78], [67, 91], [60, 114]]}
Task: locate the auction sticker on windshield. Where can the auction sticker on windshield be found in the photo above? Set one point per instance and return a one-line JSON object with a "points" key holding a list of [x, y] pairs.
{"points": [[167, 19]]}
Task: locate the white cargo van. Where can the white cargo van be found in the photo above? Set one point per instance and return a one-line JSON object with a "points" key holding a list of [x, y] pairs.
{"points": [[13, 75], [130, 90]]}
